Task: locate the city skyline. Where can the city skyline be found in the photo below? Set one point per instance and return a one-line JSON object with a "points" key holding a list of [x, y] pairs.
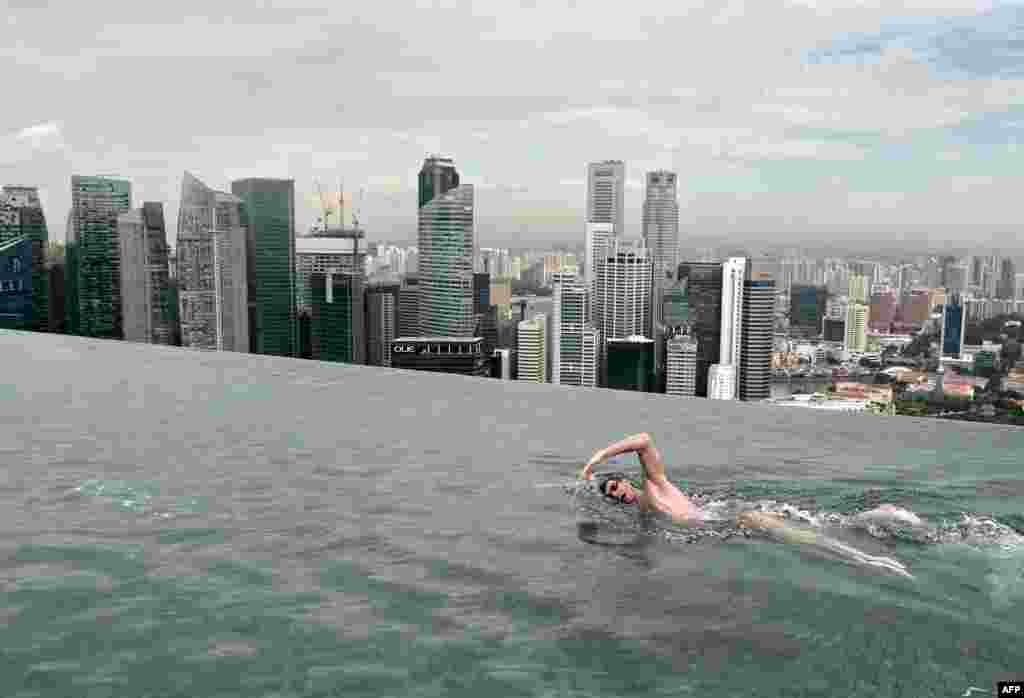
{"points": [[857, 120]]}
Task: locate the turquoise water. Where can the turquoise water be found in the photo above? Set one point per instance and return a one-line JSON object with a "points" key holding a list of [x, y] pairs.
{"points": [[184, 524]]}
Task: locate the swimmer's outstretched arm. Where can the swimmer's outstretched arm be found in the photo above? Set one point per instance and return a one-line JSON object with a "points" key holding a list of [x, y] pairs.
{"points": [[641, 444]]}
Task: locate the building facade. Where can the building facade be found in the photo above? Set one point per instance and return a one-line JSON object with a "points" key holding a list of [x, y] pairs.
{"points": [[21, 216], [681, 366], [16, 311], [661, 223], [856, 327], [722, 382], [704, 296], [954, 323], [382, 301], [96, 202], [147, 303], [734, 273], [269, 221], [570, 360], [807, 306], [211, 272], [755, 366], [337, 317], [334, 251], [458, 355], [606, 194], [623, 292], [533, 350], [630, 364]]}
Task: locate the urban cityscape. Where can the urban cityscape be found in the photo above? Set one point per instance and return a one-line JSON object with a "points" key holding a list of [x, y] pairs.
{"points": [[928, 334]]}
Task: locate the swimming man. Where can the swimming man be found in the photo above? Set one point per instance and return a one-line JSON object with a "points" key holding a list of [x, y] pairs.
{"points": [[658, 494]]}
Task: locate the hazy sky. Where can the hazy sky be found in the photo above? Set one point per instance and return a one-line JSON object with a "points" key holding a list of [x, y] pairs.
{"points": [[779, 116]]}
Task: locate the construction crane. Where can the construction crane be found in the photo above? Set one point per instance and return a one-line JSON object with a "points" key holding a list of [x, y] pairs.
{"points": [[325, 208]]}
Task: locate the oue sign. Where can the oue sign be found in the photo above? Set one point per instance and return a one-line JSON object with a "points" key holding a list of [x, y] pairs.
{"points": [[404, 348]]}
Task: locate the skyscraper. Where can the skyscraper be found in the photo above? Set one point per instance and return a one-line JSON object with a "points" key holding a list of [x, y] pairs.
{"points": [[807, 306], [1007, 279], [599, 239], [858, 288], [704, 295], [630, 364], [570, 309], [856, 327], [96, 202], [661, 223], [681, 371], [332, 251], [211, 269], [623, 292], [147, 301], [733, 275], [269, 220], [954, 324], [606, 194], [382, 300], [532, 348], [446, 251], [755, 368], [21, 216], [409, 306]]}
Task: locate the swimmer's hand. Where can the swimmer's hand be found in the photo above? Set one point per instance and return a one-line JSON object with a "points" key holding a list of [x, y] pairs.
{"points": [[596, 459]]}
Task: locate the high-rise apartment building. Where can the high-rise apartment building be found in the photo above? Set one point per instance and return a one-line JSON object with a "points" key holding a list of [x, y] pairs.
{"points": [[382, 302], [661, 223], [446, 251], [681, 366], [269, 220], [606, 194], [21, 217], [859, 285], [704, 296], [95, 253], [623, 292], [755, 367], [147, 303], [856, 327], [533, 349], [211, 269]]}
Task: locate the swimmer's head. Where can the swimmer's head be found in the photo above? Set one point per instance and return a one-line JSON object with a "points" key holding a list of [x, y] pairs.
{"points": [[616, 486]]}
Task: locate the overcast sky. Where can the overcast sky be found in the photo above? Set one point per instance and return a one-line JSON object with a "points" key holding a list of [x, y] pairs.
{"points": [[787, 117]]}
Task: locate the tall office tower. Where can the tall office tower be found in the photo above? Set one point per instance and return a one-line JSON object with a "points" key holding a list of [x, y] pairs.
{"points": [[661, 223], [807, 307], [409, 306], [335, 250], [704, 293], [96, 202], [755, 367], [145, 277], [337, 320], [858, 288], [212, 276], [269, 208], [991, 275], [606, 194], [532, 348], [1007, 280], [623, 292], [954, 323], [722, 382], [856, 327], [977, 265], [734, 273], [570, 308], [681, 366], [446, 251], [382, 300], [630, 364], [21, 216], [882, 313]]}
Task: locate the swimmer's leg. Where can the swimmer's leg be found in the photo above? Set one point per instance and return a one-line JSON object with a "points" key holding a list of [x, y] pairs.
{"points": [[776, 528]]}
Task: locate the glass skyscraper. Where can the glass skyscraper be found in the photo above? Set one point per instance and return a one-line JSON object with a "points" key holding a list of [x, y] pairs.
{"points": [[92, 241], [661, 223], [445, 242], [21, 216], [704, 293], [269, 220]]}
